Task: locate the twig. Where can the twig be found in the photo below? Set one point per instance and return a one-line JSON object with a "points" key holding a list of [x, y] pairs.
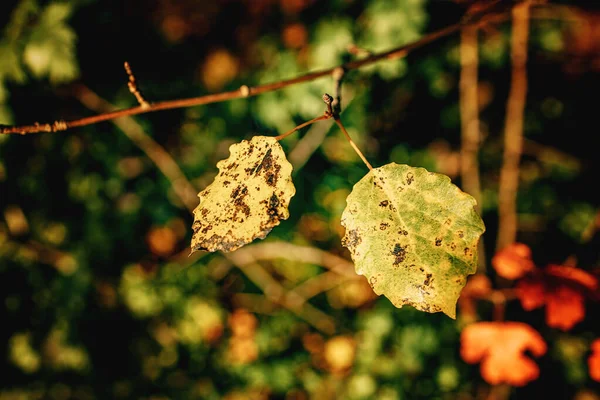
{"points": [[246, 91], [155, 152], [306, 146], [513, 132], [133, 87], [312, 121], [469, 116]]}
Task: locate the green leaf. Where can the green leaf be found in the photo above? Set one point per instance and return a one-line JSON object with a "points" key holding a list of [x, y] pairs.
{"points": [[414, 235], [50, 50], [249, 196]]}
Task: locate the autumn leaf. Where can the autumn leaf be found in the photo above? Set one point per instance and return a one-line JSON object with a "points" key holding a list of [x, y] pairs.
{"points": [[513, 261], [248, 197], [531, 293], [500, 347], [414, 235], [561, 289], [594, 361]]}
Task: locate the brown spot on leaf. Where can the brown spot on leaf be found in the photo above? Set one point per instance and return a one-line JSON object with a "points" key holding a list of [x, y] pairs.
{"points": [[410, 178], [273, 204], [373, 281], [428, 279], [399, 253], [383, 226], [461, 234], [384, 203], [266, 162], [351, 240], [438, 241]]}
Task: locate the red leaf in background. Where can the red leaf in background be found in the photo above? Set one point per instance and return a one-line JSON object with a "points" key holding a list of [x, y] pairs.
{"points": [[500, 347], [564, 308], [594, 361], [575, 275], [561, 289], [531, 293], [513, 261]]}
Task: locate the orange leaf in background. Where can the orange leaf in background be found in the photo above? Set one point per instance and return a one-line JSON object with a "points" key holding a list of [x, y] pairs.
{"points": [[561, 289], [594, 361], [513, 261], [500, 347], [564, 308], [531, 293], [575, 275], [161, 241]]}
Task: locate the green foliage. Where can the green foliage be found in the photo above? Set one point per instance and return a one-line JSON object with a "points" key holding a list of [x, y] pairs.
{"points": [[37, 39]]}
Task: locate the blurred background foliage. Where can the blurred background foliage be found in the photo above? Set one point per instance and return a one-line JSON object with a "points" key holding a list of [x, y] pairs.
{"points": [[99, 298]]}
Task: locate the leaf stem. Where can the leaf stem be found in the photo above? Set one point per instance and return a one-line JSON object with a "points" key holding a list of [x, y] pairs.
{"points": [[312, 121], [354, 146]]}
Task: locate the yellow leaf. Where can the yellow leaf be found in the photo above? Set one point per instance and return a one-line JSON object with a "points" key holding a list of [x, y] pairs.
{"points": [[249, 196]]}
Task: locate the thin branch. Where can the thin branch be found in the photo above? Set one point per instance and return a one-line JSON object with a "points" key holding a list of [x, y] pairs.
{"points": [[133, 87], [513, 132], [155, 152], [469, 117], [246, 91]]}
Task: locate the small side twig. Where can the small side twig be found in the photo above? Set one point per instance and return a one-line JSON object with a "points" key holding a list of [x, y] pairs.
{"points": [[133, 87]]}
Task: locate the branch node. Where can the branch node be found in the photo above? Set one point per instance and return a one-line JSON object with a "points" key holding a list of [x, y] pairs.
{"points": [[328, 100], [338, 75], [59, 126], [245, 90], [132, 85]]}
